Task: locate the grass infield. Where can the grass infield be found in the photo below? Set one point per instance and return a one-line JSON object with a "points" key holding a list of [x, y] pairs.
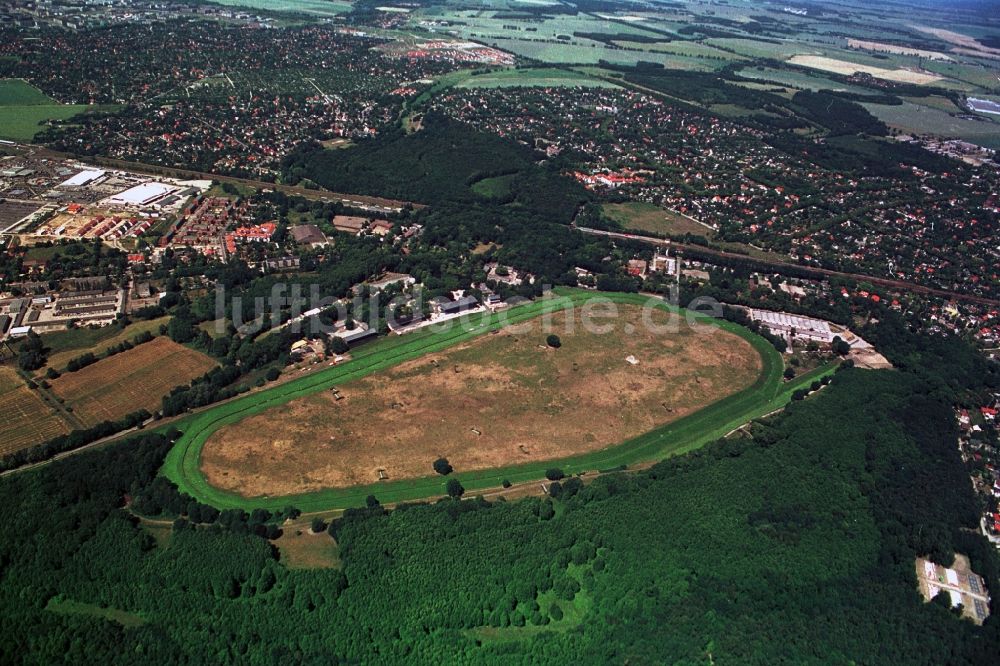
{"points": [[766, 394]]}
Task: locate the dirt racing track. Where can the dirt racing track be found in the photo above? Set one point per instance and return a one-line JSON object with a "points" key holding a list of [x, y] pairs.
{"points": [[185, 462]]}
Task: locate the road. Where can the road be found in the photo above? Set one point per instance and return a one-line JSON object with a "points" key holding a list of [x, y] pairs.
{"points": [[776, 266]]}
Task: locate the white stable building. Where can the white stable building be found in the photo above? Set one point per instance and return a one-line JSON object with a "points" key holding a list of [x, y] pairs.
{"points": [[787, 325]]}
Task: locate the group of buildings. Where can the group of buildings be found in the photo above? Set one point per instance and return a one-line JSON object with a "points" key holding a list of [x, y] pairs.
{"points": [[50, 199], [905, 222], [77, 301]]}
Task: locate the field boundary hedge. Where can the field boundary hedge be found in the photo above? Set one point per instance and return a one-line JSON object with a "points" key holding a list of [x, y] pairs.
{"points": [[768, 393]]}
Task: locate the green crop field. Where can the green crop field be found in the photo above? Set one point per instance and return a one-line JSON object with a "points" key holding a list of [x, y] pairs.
{"points": [[24, 109], [767, 393], [15, 92], [542, 77], [683, 48], [22, 123], [925, 120], [757, 49], [796, 79], [314, 7]]}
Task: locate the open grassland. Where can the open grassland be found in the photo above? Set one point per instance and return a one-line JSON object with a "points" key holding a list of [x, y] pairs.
{"points": [[132, 380], [25, 419], [301, 549], [66, 345], [93, 611], [17, 92], [766, 394], [495, 186], [641, 216], [536, 78], [495, 401]]}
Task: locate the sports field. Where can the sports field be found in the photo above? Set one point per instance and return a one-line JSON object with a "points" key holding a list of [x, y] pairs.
{"points": [[641, 216], [765, 394], [495, 401], [25, 419], [132, 380]]}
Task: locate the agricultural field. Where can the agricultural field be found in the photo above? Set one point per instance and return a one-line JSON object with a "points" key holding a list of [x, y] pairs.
{"points": [[641, 216], [496, 401], [22, 123], [538, 78], [881, 47], [973, 75], [585, 51], [936, 102], [925, 120], [836, 66], [314, 7], [796, 79], [757, 49], [15, 92], [24, 109], [683, 48], [132, 380], [66, 345], [25, 419]]}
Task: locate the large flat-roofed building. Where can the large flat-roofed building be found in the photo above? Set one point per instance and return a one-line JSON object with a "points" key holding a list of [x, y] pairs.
{"points": [[787, 325], [84, 178], [143, 195]]}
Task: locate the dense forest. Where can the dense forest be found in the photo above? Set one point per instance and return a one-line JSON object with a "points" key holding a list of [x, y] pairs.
{"points": [[526, 211], [439, 163], [791, 544]]}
